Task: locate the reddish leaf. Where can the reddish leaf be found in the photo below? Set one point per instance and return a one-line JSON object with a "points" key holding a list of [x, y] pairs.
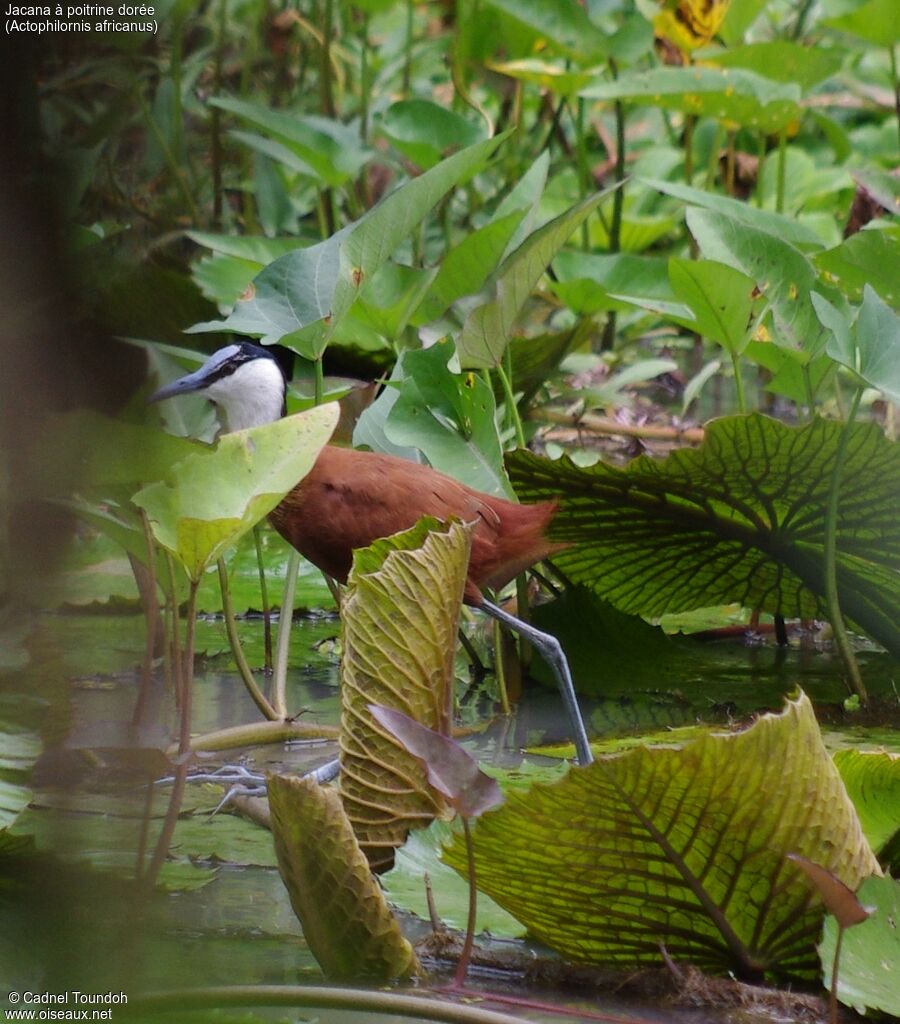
{"points": [[837, 897], [451, 770]]}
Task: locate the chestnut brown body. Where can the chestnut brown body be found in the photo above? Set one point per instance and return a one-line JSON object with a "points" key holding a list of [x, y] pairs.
{"points": [[351, 498]]}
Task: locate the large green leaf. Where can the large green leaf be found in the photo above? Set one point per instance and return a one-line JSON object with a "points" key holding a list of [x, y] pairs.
{"points": [[555, 77], [741, 518], [346, 921], [872, 779], [399, 621], [875, 21], [682, 847], [719, 296], [449, 417], [327, 149], [564, 24], [388, 301], [466, 266], [587, 282], [375, 236], [780, 60], [867, 257], [419, 856], [866, 341], [291, 300], [783, 274], [208, 501], [786, 228], [425, 131], [488, 328], [730, 94], [870, 952]]}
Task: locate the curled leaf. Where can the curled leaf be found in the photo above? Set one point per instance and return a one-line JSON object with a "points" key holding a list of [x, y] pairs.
{"points": [[346, 921], [399, 620]]}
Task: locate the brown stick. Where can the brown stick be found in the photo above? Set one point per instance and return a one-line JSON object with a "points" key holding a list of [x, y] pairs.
{"points": [[604, 425]]}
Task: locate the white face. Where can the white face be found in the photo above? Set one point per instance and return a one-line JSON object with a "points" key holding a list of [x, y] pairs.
{"points": [[249, 397]]}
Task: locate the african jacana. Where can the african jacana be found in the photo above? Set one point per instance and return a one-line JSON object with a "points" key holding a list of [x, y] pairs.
{"points": [[351, 498]]}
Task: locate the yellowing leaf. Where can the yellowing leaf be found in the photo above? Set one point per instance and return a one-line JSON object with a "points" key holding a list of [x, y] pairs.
{"points": [[212, 498], [690, 24]]}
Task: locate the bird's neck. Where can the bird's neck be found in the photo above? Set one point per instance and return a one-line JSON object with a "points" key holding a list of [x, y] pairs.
{"points": [[251, 396]]}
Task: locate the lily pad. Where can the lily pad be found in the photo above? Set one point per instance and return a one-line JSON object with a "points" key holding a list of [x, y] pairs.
{"points": [[872, 779], [870, 952], [741, 518], [680, 847]]}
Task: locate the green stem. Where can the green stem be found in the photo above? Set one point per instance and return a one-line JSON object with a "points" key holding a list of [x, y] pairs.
{"points": [[466, 955], [257, 733], [782, 171], [892, 52], [739, 382], [237, 651], [524, 613], [832, 995], [184, 739], [407, 60], [285, 620], [615, 232], [264, 599], [730, 158], [690, 123], [512, 411], [215, 119], [841, 640], [161, 850], [175, 622], [151, 614], [364, 83], [319, 391], [500, 668], [584, 174], [316, 997], [173, 165], [712, 165], [800, 23], [326, 84]]}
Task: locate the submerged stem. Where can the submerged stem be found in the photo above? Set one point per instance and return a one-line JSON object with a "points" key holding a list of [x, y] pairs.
{"points": [[466, 955], [264, 599], [237, 651], [279, 699], [841, 640]]}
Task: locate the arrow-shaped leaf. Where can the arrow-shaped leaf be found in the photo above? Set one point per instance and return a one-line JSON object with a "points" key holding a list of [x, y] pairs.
{"points": [[488, 329]]}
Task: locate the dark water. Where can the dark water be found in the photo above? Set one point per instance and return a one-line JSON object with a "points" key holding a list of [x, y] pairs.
{"points": [[69, 915]]}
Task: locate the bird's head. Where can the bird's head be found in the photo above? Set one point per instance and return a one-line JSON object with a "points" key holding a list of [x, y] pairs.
{"points": [[244, 381]]}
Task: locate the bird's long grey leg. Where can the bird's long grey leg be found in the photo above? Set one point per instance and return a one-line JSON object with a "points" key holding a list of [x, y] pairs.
{"points": [[553, 654]]}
